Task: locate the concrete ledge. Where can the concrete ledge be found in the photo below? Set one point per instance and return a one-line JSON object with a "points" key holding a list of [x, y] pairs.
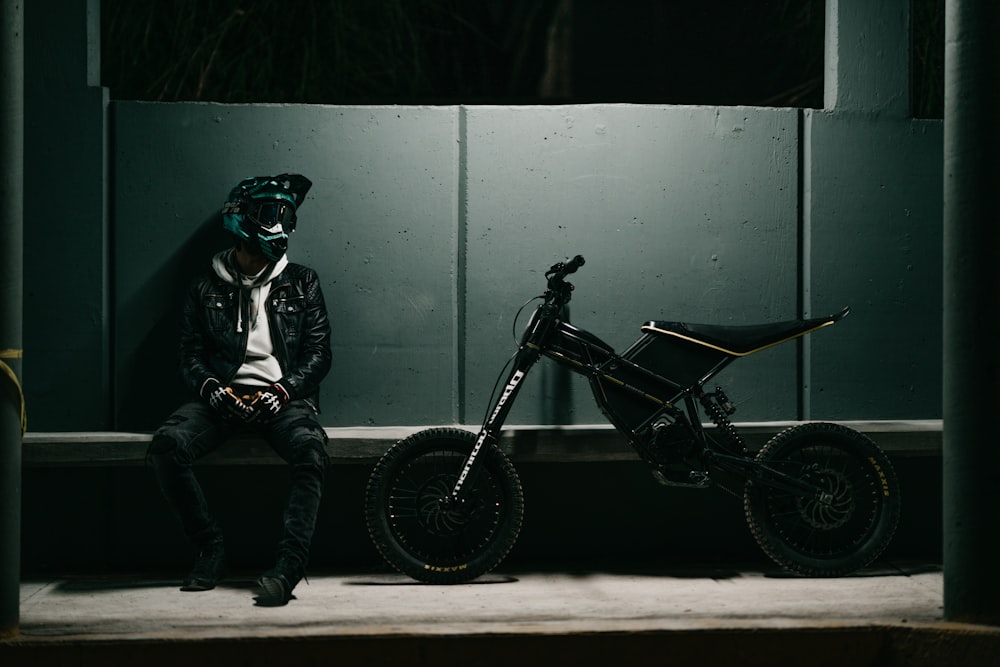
{"points": [[834, 645], [859, 645], [528, 443]]}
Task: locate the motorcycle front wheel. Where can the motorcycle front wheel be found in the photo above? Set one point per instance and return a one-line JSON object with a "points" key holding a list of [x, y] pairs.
{"points": [[416, 526], [839, 530]]}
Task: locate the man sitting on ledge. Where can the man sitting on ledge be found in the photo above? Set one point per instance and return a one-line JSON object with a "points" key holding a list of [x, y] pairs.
{"points": [[255, 344]]}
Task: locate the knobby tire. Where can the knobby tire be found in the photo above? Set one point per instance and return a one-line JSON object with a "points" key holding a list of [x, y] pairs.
{"points": [[419, 532], [825, 539]]}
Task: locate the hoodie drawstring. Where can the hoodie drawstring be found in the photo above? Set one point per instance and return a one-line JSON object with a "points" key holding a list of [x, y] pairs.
{"points": [[225, 268], [239, 311], [254, 316]]}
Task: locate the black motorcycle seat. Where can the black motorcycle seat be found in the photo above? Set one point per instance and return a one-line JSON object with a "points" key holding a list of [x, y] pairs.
{"points": [[741, 340]]}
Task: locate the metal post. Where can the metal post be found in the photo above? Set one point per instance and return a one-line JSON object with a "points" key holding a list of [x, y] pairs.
{"points": [[971, 311], [11, 225]]}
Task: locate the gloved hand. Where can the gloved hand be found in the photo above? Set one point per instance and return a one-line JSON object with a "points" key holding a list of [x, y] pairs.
{"points": [[268, 402], [225, 402]]}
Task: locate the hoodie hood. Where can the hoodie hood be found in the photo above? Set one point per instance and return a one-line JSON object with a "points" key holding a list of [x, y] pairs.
{"points": [[254, 289], [224, 265]]}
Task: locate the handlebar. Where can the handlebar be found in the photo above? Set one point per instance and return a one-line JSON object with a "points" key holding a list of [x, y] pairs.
{"points": [[558, 287]]}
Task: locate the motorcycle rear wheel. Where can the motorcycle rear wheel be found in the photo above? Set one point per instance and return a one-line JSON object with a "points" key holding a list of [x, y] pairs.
{"points": [[828, 537], [420, 531]]}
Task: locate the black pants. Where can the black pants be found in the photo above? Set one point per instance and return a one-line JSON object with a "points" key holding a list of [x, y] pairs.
{"points": [[195, 430]]}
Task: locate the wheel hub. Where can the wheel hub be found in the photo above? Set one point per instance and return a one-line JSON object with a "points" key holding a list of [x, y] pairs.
{"points": [[833, 506], [437, 511]]}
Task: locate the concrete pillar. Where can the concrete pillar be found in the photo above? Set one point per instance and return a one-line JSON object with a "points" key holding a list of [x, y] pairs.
{"points": [[66, 146], [11, 402], [867, 56], [971, 311]]}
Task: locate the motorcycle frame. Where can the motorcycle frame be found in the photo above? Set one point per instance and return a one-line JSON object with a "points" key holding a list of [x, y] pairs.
{"points": [[550, 334]]}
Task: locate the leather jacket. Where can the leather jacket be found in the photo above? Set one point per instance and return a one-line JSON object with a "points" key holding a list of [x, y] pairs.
{"points": [[213, 341]]}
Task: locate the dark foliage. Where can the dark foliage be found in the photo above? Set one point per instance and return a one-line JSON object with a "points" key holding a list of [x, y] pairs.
{"points": [[761, 52]]}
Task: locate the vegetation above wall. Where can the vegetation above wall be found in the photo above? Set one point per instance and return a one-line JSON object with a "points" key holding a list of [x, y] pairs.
{"points": [[764, 53], [371, 51]]}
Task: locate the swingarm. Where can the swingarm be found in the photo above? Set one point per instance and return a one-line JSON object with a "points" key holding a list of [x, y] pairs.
{"points": [[758, 472]]}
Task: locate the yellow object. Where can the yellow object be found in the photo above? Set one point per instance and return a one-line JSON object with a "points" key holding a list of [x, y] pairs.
{"points": [[9, 373]]}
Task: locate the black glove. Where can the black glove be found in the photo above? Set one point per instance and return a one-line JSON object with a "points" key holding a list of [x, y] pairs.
{"points": [[225, 402], [268, 402]]}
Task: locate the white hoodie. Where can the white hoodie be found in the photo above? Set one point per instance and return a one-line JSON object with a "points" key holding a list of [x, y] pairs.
{"points": [[260, 367]]}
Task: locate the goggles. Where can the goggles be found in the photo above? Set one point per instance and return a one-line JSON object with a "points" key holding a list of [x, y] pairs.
{"points": [[270, 214]]}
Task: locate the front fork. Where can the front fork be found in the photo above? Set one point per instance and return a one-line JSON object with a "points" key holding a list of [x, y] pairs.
{"points": [[527, 356], [489, 434]]}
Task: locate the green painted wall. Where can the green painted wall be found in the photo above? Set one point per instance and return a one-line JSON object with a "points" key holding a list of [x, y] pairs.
{"points": [[430, 226], [874, 230], [380, 225]]}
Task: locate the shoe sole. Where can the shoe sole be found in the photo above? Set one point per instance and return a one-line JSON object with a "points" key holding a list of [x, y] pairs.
{"points": [[197, 586]]}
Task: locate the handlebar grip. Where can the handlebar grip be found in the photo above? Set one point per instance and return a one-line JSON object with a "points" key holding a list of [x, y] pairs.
{"points": [[563, 269]]}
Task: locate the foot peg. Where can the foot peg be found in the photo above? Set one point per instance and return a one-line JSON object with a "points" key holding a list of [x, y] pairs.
{"points": [[697, 479]]}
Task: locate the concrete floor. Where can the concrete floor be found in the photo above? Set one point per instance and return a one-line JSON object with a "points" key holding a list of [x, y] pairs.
{"points": [[584, 615]]}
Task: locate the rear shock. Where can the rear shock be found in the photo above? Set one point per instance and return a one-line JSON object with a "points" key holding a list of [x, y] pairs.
{"points": [[718, 407]]}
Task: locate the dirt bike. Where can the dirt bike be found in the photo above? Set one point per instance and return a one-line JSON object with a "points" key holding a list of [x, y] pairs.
{"points": [[445, 505]]}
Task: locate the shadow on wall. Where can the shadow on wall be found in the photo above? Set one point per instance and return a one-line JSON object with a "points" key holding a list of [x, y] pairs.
{"points": [[148, 384]]}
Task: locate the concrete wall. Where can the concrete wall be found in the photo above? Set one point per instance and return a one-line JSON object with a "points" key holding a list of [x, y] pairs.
{"points": [[380, 225], [873, 227], [431, 225]]}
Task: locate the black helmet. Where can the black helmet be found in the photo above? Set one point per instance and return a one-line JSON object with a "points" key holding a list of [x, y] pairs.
{"points": [[261, 211]]}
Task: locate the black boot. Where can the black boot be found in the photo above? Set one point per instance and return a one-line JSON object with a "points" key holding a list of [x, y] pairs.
{"points": [[276, 584], [209, 568]]}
